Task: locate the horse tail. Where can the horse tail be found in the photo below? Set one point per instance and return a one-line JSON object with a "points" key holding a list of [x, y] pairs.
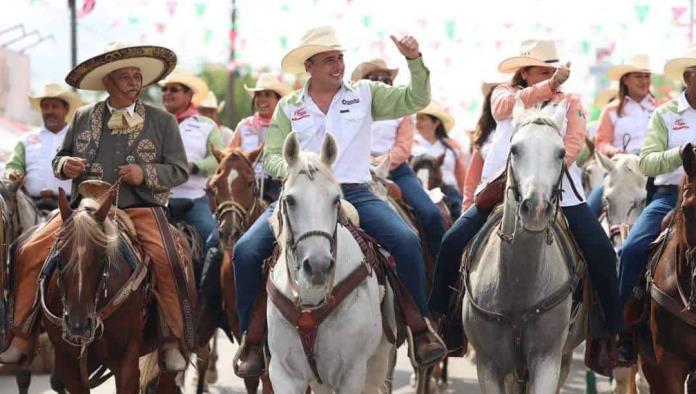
{"points": [[149, 370]]}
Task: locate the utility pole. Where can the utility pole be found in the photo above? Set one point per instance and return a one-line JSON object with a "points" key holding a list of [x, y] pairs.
{"points": [[73, 33], [232, 77]]}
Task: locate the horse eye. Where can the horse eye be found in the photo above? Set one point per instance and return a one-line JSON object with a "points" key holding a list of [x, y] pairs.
{"points": [[290, 200], [337, 201], [561, 153], [513, 150]]}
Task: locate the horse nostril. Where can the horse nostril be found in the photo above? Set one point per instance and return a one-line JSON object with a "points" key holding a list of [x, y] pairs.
{"points": [[526, 206], [306, 266]]}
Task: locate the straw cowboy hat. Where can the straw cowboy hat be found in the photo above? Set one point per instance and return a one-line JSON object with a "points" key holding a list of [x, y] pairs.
{"points": [[604, 96], [674, 68], [437, 110], [191, 81], [317, 40], [211, 101], [540, 53], [636, 63], [366, 68], [493, 80], [53, 90], [154, 63], [267, 81]]}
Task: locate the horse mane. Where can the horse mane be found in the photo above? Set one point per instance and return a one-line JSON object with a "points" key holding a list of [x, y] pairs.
{"points": [[535, 116], [82, 228], [307, 163], [424, 159]]}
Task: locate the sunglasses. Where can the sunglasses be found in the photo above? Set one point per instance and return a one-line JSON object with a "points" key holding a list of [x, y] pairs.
{"points": [[386, 79], [173, 89]]}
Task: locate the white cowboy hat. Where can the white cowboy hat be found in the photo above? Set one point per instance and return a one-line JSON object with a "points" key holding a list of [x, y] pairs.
{"points": [[437, 110], [154, 63], [191, 81], [604, 96], [267, 81], [674, 68], [540, 53], [636, 63], [210, 101], [317, 40], [366, 68], [53, 90]]}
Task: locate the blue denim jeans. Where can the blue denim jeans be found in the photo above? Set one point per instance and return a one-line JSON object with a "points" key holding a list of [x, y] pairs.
{"points": [[201, 217], [376, 218], [595, 200], [454, 200], [634, 252], [587, 231], [427, 213]]}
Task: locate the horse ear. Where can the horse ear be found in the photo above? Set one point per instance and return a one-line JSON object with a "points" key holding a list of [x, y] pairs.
{"points": [[604, 161], [217, 153], [64, 205], [441, 159], [255, 154], [382, 170], [103, 210], [329, 150], [689, 159], [517, 112], [291, 149], [560, 114]]}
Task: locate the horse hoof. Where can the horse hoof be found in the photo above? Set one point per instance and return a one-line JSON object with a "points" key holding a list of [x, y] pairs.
{"points": [[211, 377]]}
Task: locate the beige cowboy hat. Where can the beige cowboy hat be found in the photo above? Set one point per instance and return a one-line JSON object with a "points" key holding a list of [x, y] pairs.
{"points": [[191, 81], [53, 90], [267, 81], [674, 68], [317, 40], [541, 53], [366, 68], [437, 110], [211, 101], [493, 80], [604, 96], [636, 63], [154, 63]]}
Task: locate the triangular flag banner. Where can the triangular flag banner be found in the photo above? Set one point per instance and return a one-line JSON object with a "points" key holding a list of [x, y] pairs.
{"points": [[642, 11], [160, 26], [207, 36], [200, 9], [171, 7], [133, 20], [87, 7], [677, 12], [285, 7], [233, 38], [284, 42], [367, 20], [449, 28], [585, 46]]}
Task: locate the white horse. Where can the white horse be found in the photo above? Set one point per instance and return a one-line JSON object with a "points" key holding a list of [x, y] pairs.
{"points": [[623, 199], [350, 349], [517, 311]]}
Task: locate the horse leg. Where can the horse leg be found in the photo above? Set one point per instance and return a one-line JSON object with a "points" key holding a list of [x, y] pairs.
{"points": [[666, 376], [621, 383], [212, 374], [166, 383], [444, 379], [202, 363], [490, 380], [266, 384], [642, 386], [23, 378], [68, 371], [378, 366], [127, 374], [388, 385], [544, 376], [251, 385]]}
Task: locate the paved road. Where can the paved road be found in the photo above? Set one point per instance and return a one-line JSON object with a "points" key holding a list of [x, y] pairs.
{"points": [[462, 378]]}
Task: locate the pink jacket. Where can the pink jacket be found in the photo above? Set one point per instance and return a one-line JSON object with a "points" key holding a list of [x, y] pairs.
{"points": [[503, 101], [401, 150]]}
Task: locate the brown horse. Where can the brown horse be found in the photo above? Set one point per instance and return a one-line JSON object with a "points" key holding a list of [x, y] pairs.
{"points": [[238, 206], [672, 289], [93, 306]]}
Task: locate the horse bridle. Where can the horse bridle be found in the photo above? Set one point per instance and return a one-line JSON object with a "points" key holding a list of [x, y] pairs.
{"points": [[621, 230], [293, 242]]}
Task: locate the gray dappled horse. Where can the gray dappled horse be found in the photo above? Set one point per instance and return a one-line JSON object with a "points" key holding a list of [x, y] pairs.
{"points": [[517, 310]]}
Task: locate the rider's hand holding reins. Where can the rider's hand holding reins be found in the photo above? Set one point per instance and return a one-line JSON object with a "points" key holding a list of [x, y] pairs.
{"points": [[74, 167], [560, 76], [132, 174], [408, 46]]}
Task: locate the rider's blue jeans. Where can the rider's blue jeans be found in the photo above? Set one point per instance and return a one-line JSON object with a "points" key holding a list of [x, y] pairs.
{"points": [[634, 252], [201, 217], [595, 200], [588, 233], [376, 218], [454, 200], [426, 211]]}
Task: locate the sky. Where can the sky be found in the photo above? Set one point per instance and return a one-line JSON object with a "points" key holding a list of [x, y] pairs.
{"points": [[461, 41]]}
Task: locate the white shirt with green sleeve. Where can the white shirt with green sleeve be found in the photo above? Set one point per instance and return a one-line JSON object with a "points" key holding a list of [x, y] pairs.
{"points": [[672, 125], [350, 116]]}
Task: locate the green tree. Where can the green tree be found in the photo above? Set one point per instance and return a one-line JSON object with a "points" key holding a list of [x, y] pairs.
{"points": [[216, 77]]}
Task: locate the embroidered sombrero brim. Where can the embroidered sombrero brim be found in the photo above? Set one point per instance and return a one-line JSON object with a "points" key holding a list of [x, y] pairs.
{"points": [[154, 63]]}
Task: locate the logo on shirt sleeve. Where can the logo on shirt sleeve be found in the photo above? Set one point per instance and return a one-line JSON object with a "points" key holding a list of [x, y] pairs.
{"points": [[679, 124]]}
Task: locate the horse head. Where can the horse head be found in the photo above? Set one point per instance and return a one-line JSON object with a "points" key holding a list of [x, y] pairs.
{"points": [[84, 247], [687, 199], [307, 219], [624, 193], [428, 171], [536, 164], [234, 185]]}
